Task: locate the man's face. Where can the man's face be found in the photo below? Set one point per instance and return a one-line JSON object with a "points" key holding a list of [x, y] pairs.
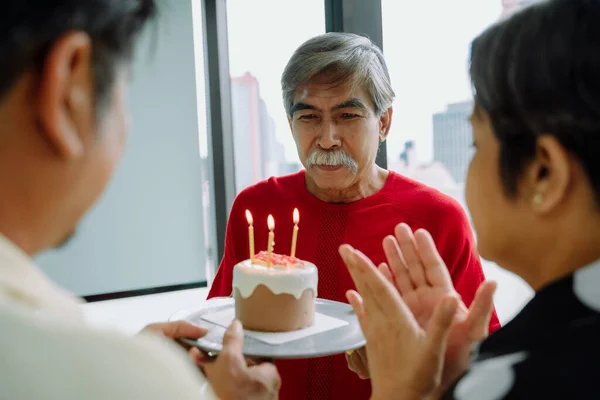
{"points": [[337, 132]]}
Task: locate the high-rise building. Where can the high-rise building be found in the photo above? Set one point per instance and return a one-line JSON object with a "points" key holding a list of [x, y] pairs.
{"points": [[510, 6], [453, 138], [258, 154], [408, 155], [272, 150]]}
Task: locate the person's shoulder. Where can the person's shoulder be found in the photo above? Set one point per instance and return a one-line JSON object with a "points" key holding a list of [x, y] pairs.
{"points": [[562, 364], [274, 188], [430, 201], [65, 360]]}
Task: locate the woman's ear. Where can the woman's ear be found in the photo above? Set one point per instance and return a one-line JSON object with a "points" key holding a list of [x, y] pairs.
{"points": [[549, 174]]}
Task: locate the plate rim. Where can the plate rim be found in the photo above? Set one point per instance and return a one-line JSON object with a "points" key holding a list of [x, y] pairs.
{"points": [[226, 302]]}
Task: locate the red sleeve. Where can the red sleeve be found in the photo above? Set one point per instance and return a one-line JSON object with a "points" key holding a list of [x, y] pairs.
{"points": [[457, 247], [233, 253]]}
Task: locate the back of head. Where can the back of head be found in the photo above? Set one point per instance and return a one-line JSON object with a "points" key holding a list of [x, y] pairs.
{"points": [[538, 73], [63, 113], [30, 28], [344, 57]]}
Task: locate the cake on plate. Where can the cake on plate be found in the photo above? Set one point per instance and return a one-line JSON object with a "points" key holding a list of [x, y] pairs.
{"points": [[275, 297]]}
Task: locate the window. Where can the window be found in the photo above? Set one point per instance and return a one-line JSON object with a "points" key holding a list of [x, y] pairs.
{"points": [[426, 46], [152, 228], [258, 53]]}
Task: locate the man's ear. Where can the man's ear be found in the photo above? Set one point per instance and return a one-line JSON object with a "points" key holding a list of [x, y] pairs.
{"points": [[385, 122], [66, 95]]}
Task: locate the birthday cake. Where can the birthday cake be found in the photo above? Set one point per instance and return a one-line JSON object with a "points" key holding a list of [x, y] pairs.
{"points": [[275, 296]]}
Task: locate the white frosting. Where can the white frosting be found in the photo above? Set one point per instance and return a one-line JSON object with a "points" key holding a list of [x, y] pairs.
{"points": [[293, 280]]}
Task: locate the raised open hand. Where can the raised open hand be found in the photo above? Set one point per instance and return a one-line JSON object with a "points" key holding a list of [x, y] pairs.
{"points": [[405, 360], [422, 279]]}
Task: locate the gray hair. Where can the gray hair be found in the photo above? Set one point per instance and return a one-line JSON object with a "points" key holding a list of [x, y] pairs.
{"points": [[348, 58]]}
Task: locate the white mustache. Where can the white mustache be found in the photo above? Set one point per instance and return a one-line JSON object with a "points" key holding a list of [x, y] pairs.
{"points": [[332, 158]]}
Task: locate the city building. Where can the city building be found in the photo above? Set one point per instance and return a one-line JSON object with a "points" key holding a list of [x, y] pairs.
{"points": [[433, 174], [453, 138], [258, 154]]}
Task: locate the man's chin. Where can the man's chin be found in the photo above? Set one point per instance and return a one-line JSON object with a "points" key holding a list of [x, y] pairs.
{"points": [[331, 169], [66, 240], [338, 179]]}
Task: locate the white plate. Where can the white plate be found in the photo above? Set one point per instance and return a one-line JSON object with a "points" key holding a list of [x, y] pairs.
{"points": [[333, 341]]}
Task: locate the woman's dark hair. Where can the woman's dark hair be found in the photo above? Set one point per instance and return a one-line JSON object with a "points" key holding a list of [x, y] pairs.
{"points": [[538, 73], [29, 28]]}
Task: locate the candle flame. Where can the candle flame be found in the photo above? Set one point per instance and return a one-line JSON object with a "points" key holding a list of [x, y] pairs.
{"points": [[249, 218], [270, 222], [296, 216]]}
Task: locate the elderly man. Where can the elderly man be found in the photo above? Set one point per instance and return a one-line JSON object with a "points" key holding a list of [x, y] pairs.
{"points": [[63, 76], [338, 97]]}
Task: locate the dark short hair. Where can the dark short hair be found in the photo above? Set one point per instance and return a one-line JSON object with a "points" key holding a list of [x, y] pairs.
{"points": [[538, 73], [29, 28]]}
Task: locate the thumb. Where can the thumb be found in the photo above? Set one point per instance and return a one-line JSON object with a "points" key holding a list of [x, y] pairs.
{"points": [[177, 329], [480, 312], [233, 340], [440, 323]]}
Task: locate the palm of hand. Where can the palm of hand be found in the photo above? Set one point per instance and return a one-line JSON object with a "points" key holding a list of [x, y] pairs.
{"points": [[422, 303], [423, 300], [421, 277]]}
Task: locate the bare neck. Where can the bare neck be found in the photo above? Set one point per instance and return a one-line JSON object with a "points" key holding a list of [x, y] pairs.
{"points": [[367, 185], [555, 257], [21, 213], [26, 216]]}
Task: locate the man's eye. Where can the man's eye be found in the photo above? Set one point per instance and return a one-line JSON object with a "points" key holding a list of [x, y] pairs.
{"points": [[307, 116], [349, 115]]}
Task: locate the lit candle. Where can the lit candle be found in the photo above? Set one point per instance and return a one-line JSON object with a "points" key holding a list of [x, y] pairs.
{"points": [[271, 242], [250, 234], [295, 233]]}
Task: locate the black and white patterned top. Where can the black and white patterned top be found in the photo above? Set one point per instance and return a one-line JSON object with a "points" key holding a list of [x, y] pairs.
{"points": [[550, 350]]}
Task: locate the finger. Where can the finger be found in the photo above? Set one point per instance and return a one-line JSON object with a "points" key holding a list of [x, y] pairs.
{"points": [[406, 241], [480, 312], [364, 363], [385, 271], [356, 364], [377, 292], [397, 265], [359, 269], [439, 326], [352, 361], [198, 357], [268, 375], [251, 362], [356, 302], [435, 269], [179, 329], [380, 299], [255, 361], [233, 340], [195, 355]]}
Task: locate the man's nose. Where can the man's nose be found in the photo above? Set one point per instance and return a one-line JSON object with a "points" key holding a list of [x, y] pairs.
{"points": [[329, 138]]}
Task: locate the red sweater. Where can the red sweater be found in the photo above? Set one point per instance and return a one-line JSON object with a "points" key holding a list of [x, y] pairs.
{"points": [[323, 228]]}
